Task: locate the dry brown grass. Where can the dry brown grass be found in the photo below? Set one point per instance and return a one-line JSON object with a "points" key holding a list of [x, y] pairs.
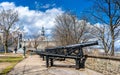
{"points": [[3, 65], [8, 61]]}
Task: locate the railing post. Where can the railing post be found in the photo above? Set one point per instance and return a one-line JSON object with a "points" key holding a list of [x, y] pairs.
{"points": [[51, 62], [82, 62], [47, 61], [43, 57], [77, 63]]}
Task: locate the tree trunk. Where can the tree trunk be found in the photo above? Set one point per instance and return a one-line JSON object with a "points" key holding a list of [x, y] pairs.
{"points": [[6, 46], [6, 42], [111, 28], [112, 49], [112, 38]]}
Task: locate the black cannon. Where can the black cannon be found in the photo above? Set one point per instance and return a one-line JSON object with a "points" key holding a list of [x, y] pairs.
{"points": [[70, 51]]}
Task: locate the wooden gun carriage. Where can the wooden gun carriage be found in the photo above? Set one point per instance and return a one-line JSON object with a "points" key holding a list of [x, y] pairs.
{"points": [[74, 51]]}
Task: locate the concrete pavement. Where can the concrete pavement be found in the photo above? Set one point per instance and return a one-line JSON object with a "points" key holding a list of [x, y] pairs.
{"points": [[33, 65]]}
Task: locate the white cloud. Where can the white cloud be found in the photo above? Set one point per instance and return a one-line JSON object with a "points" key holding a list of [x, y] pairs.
{"points": [[98, 25], [48, 31], [44, 6], [32, 20], [7, 5], [47, 5]]}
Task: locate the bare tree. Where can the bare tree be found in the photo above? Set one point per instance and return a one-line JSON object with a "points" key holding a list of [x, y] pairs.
{"points": [[102, 34], [36, 43], [69, 30], [107, 12], [29, 44], [36, 40], [15, 37], [8, 18]]}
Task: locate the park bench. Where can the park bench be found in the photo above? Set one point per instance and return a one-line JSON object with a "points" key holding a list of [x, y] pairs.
{"points": [[74, 51]]}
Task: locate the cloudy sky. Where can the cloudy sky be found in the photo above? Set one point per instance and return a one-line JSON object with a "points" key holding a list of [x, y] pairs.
{"points": [[34, 14]]}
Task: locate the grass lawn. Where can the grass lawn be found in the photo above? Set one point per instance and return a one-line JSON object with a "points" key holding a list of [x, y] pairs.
{"points": [[13, 60]]}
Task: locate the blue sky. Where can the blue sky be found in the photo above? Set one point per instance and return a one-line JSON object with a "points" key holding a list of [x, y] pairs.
{"points": [[76, 6], [32, 21]]}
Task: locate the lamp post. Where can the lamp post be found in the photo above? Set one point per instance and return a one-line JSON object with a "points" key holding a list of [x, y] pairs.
{"points": [[24, 50], [18, 42]]}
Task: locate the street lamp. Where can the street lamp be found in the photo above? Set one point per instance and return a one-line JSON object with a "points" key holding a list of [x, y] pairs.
{"points": [[24, 50]]}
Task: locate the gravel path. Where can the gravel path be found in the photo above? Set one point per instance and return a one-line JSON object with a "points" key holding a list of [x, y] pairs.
{"points": [[33, 65]]}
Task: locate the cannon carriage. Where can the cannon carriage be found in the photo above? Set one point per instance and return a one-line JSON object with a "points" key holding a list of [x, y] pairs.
{"points": [[74, 51]]}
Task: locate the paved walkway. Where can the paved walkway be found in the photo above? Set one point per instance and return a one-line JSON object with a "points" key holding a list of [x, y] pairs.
{"points": [[33, 65]]}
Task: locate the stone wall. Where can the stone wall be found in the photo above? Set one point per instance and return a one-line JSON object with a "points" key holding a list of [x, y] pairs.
{"points": [[107, 66]]}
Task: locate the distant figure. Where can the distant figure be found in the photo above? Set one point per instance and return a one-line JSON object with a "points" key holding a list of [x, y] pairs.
{"points": [[15, 49]]}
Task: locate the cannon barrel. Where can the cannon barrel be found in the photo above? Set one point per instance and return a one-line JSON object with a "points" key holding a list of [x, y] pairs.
{"points": [[89, 43], [85, 44]]}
